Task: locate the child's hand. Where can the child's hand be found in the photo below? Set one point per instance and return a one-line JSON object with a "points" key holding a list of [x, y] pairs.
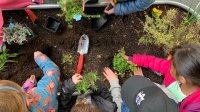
{"points": [[107, 10], [32, 78], [83, 4], [138, 71], [76, 78], [29, 84], [126, 57], [169, 57], [109, 74]]}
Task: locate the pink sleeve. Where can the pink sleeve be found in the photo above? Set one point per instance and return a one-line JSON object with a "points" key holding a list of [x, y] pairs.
{"points": [[1, 27], [157, 64], [12, 4]]}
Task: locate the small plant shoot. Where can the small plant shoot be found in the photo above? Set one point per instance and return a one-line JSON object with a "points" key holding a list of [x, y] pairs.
{"points": [[5, 58], [121, 65], [87, 83], [67, 58]]}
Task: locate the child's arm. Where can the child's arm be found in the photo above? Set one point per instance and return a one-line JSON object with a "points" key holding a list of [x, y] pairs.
{"points": [[131, 6], [68, 88], [115, 88], [157, 64]]}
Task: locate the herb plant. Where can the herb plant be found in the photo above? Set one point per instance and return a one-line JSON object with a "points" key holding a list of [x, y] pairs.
{"points": [[167, 32], [88, 82], [71, 9], [5, 57], [67, 58], [18, 34], [121, 65]]}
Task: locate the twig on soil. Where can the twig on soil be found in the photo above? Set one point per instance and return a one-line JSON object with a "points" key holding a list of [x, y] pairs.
{"points": [[141, 21]]}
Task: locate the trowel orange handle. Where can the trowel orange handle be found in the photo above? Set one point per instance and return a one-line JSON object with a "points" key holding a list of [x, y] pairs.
{"points": [[31, 14], [80, 64]]}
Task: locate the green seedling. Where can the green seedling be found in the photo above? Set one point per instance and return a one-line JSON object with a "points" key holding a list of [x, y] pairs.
{"points": [[88, 82], [121, 65], [67, 58], [5, 58]]}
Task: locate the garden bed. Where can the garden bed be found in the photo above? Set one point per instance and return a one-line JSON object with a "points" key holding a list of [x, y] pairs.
{"points": [[119, 32]]}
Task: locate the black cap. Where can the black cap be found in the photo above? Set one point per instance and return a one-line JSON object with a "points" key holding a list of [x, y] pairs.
{"points": [[141, 95]]}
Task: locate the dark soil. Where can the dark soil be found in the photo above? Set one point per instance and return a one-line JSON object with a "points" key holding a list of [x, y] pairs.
{"points": [[119, 32]]}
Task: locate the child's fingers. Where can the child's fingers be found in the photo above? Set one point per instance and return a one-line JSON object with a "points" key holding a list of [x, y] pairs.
{"points": [[140, 69], [125, 57], [105, 75], [111, 11], [33, 78], [136, 71], [37, 53], [76, 75], [78, 81], [79, 77]]}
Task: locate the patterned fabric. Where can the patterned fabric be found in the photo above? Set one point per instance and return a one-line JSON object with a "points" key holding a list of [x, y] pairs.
{"points": [[43, 97]]}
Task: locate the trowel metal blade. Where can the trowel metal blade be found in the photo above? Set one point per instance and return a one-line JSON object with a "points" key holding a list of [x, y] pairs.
{"points": [[83, 44]]}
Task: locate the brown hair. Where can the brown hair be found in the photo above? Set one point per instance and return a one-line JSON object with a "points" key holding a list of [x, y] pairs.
{"points": [[10, 100], [83, 106]]}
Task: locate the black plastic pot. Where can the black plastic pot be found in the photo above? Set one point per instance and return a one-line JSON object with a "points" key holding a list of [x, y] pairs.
{"points": [[97, 24], [53, 24]]}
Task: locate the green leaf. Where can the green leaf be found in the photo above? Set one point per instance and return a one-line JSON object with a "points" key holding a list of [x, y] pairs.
{"points": [[121, 65], [5, 58], [88, 82]]}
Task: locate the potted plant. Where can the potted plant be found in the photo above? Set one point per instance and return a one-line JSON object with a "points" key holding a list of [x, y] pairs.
{"points": [[73, 10], [121, 65], [17, 33]]}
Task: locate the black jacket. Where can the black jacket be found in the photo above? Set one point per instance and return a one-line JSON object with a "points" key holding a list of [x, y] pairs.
{"points": [[102, 97]]}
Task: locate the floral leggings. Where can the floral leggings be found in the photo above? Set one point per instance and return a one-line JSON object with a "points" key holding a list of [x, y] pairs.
{"points": [[43, 97]]}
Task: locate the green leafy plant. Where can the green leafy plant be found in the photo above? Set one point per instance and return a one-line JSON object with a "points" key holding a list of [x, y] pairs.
{"points": [[67, 58], [121, 65], [5, 57], [18, 34], [70, 8], [165, 31], [88, 82], [191, 18]]}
